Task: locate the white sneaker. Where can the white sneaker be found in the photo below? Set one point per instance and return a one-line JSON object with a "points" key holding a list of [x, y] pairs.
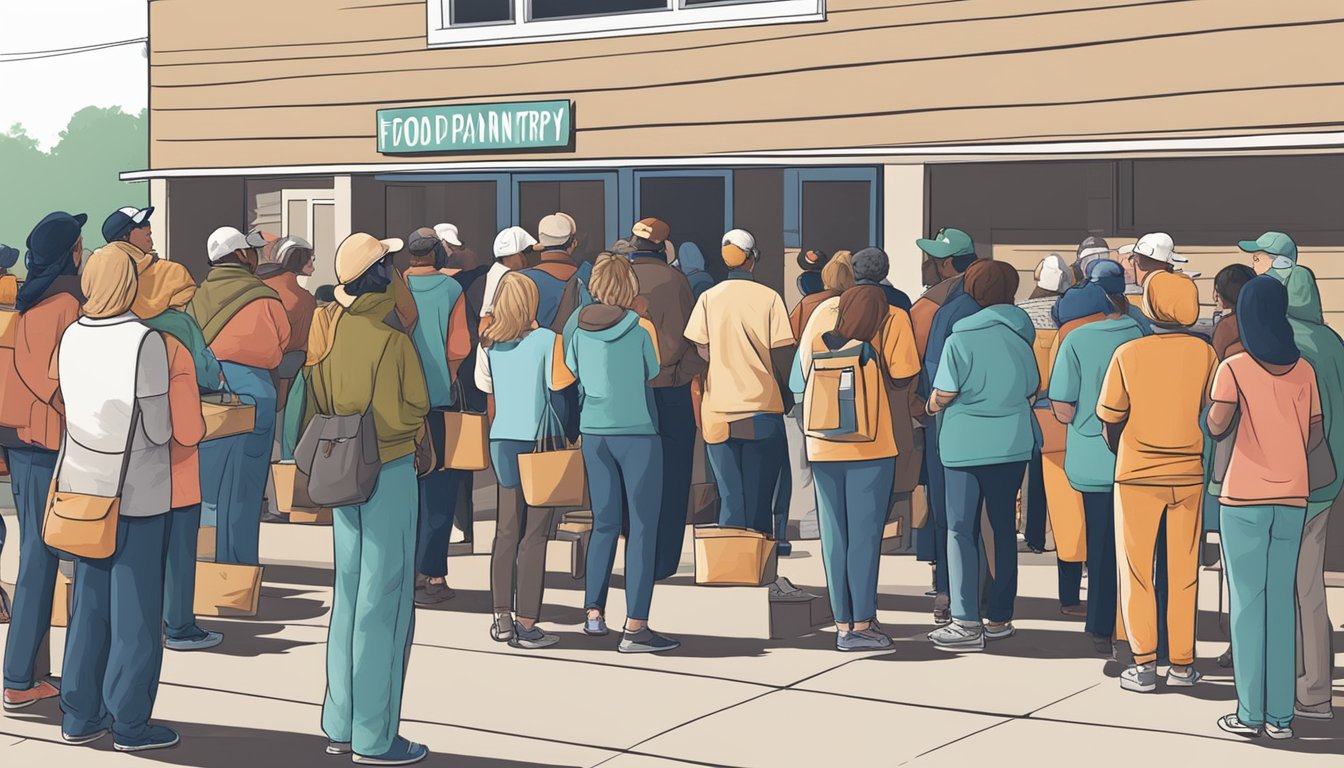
{"points": [[1187, 680], [1140, 678], [1277, 733], [969, 637]]}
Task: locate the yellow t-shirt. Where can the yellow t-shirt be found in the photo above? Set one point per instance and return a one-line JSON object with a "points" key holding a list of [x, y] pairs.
{"points": [[1158, 386], [899, 354], [740, 321]]}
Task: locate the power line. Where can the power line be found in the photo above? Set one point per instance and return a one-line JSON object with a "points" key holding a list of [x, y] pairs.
{"points": [[6, 58]]}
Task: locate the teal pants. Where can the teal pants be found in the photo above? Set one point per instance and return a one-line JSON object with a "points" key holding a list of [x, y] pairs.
{"points": [[852, 502], [1260, 546], [372, 615]]}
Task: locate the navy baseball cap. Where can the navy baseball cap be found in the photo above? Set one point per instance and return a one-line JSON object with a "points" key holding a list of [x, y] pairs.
{"points": [[123, 220]]}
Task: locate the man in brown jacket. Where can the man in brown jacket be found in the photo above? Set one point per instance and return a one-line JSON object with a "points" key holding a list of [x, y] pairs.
{"points": [[665, 299]]}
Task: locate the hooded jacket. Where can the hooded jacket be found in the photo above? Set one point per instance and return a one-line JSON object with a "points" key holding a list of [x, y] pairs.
{"points": [[614, 356], [691, 262], [439, 302], [956, 305], [1321, 347], [988, 362]]}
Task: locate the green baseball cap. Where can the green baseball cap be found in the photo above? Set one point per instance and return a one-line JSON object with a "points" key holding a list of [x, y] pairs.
{"points": [[1276, 244], [947, 243]]}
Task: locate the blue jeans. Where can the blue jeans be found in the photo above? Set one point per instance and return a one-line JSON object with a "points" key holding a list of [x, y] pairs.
{"points": [[179, 574], [1103, 578], [372, 613], [746, 472], [438, 506], [1260, 546], [676, 428], [852, 502], [935, 529], [996, 486], [625, 468], [114, 646], [30, 471], [234, 471]]}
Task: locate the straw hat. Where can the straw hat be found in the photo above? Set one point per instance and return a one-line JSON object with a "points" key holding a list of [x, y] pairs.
{"points": [[357, 254]]}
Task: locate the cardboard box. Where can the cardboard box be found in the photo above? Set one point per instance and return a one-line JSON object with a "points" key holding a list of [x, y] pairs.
{"points": [[734, 557], [310, 516], [225, 415], [226, 589], [205, 543]]}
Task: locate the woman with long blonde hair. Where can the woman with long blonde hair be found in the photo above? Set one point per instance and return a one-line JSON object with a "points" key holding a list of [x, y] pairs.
{"points": [[519, 365]]}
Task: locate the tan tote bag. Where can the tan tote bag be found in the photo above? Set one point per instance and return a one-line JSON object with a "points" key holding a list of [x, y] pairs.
{"points": [[553, 476], [82, 524], [466, 437]]}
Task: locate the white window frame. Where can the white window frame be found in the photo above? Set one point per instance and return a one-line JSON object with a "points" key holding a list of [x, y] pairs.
{"points": [[677, 17]]}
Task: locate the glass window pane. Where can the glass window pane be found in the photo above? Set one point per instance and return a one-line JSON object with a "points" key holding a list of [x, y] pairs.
{"points": [[562, 9], [693, 3], [481, 11]]}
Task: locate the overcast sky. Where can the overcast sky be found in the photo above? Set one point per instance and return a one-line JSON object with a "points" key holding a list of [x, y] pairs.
{"points": [[43, 93]]}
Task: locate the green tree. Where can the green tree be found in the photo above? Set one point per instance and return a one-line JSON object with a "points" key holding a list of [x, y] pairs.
{"points": [[79, 174]]}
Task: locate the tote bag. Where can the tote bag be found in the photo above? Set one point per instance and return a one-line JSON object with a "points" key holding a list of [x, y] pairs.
{"points": [[82, 524], [466, 437], [553, 476]]}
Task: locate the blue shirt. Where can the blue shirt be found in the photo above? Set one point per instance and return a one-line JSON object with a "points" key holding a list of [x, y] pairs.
{"points": [[520, 372]]}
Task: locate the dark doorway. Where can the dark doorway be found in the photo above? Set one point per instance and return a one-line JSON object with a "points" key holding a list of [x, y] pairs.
{"points": [[586, 201], [836, 215], [468, 204], [693, 209]]}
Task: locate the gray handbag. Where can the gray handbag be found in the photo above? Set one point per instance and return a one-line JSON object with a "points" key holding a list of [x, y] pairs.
{"points": [[339, 454]]}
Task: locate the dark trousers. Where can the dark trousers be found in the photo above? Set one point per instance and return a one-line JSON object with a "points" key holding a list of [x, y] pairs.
{"points": [[114, 646], [438, 503], [179, 574], [1070, 577], [1102, 577], [1035, 508], [30, 612], [935, 529], [783, 497], [1160, 587], [676, 429], [624, 472], [968, 488], [746, 472]]}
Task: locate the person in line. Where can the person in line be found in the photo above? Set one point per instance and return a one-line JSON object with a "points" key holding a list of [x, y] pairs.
{"points": [[666, 299], [984, 390], [1090, 251], [1322, 348], [854, 478], [1265, 401], [1154, 253], [114, 379], [512, 245], [614, 355], [129, 230], [836, 278], [950, 253], [460, 257], [742, 329], [469, 270], [48, 302], [442, 340], [244, 323], [519, 364], [1227, 285], [1151, 397], [558, 289], [1074, 385], [191, 365], [811, 261], [691, 262], [372, 368]]}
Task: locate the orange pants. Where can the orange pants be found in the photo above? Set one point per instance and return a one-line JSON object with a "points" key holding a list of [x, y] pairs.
{"points": [[1138, 513]]}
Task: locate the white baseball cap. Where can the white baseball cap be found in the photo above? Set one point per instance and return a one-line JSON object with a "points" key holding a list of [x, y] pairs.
{"points": [[556, 229], [448, 234], [513, 241], [1053, 274], [224, 241], [741, 238], [1157, 246]]}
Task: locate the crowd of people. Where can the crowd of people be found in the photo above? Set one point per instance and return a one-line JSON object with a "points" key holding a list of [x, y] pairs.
{"points": [[638, 358]]}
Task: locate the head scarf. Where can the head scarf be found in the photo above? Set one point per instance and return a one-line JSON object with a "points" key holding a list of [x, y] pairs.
{"points": [[50, 255], [1262, 320], [861, 314], [109, 283], [161, 288], [1081, 301], [1171, 299], [1109, 275], [690, 259]]}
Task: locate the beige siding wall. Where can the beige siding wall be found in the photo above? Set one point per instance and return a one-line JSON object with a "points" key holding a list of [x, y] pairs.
{"points": [[303, 78]]}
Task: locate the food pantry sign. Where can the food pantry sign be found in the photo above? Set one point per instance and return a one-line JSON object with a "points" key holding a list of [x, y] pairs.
{"points": [[475, 127]]}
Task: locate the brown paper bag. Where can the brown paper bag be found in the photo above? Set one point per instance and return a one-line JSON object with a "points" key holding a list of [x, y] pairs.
{"points": [[205, 543], [291, 489], [466, 441], [225, 415], [553, 478], [734, 557], [226, 589]]}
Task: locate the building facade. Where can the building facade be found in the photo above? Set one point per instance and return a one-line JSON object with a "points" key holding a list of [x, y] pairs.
{"points": [[813, 123]]}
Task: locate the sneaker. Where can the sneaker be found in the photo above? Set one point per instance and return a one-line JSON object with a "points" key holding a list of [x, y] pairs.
{"points": [[959, 636], [783, 591], [999, 631], [1225, 660], [942, 609], [531, 639], [403, 752], [595, 627], [1079, 611], [20, 698], [1314, 712], [646, 641], [156, 737], [1178, 680], [1231, 724], [433, 593], [863, 640], [339, 748], [78, 739], [206, 639], [502, 630], [1277, 733], [1140, 678]]}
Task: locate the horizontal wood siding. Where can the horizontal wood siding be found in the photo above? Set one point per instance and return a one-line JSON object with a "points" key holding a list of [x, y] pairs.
{"points": [[303, 87]]}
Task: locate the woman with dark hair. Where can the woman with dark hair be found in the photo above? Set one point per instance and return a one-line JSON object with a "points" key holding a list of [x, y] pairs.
{"points": [[1265, 400], [812, 261], [1227, 287], [875, 343], [983, 395]]}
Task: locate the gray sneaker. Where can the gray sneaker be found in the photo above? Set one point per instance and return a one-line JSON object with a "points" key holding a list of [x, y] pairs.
{"points": [[431, 593], [783, 591], [863, 640], [1187, 680], [646, 641], [966, 637], [1140, 678], [531, 639], [994, 631]]}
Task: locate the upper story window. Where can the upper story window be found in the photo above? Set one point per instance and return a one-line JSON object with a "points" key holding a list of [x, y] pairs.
{"points": [[483, 22]]}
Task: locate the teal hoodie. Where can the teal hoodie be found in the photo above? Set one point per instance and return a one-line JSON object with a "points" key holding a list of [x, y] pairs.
{"points": [[614, 359], [435, 296], [988, 361]]}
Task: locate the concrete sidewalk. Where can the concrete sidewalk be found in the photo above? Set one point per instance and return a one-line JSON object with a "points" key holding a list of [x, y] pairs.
{"points": [[1040, 697]]}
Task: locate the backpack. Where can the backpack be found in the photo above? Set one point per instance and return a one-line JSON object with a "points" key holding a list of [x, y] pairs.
{"points": [[839, 405], [339, 454]]}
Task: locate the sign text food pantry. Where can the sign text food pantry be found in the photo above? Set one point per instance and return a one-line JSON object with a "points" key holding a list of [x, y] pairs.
{"points": [[475, 127]]}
